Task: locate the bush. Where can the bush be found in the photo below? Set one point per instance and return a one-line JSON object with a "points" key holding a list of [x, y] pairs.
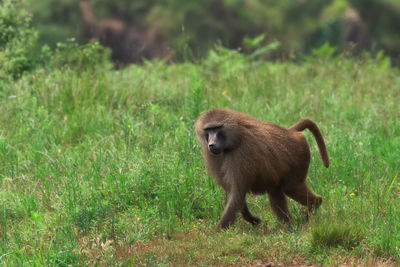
{"points": [[20, 51], [80, 57], [17, 39]]}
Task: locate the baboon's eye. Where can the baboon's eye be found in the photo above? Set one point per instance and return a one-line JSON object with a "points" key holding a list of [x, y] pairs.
{"points": [[206, 136], [220, 135]]}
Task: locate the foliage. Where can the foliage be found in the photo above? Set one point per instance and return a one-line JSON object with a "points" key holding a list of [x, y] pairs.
{"points": [[89, 56], [17, 39], [191, 28], [20, 51]]}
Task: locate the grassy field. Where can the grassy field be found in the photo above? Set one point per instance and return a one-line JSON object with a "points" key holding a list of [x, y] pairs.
{"points": [[102, 166]]}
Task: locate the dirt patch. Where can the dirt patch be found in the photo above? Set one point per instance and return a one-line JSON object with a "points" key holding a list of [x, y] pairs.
{"points": [[199, 248]]}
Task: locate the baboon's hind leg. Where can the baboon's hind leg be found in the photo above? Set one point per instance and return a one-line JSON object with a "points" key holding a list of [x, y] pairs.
{"points": [[302, 194], [279, 205]]}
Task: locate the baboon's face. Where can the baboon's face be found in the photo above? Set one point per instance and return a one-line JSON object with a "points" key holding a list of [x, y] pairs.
{"points": [[215, 139]]}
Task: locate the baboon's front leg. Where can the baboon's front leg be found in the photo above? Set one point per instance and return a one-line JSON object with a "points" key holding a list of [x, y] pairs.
{"points": [[248, 216], [235, 204]]}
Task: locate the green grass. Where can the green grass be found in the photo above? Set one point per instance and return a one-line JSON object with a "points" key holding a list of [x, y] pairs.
{"points": [[103, 166]]}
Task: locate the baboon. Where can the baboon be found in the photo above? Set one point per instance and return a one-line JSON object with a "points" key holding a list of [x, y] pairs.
{"points": [[247, 155]]}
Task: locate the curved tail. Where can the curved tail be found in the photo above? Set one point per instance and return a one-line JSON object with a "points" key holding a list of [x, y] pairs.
{"points": [[309, 124]]}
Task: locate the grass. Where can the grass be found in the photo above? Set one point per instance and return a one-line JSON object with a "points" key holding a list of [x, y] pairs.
{"points": [[102, 166]]}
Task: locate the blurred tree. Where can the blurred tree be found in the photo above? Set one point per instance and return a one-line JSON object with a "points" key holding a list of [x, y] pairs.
{"points": [[383, 21], [182, 29], [129, 42]]}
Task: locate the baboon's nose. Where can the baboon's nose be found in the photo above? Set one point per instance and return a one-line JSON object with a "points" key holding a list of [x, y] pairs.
{"points": [[213, 149]]}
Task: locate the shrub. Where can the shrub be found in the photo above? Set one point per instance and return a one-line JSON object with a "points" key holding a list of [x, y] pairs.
{"points": [[17, 39], [81, 57]]}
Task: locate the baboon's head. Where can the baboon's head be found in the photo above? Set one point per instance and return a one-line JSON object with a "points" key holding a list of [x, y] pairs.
{"points": [[217, 131]]}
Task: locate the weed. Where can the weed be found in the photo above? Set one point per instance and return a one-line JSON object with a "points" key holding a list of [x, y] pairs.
{"points": [[334, 235]]}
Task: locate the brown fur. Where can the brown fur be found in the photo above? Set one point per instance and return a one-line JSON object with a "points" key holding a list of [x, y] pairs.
{"points": [[259, 157]]}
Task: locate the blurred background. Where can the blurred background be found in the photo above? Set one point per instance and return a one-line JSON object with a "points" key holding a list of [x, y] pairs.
{"points": [[186, 30], [182, 29]]}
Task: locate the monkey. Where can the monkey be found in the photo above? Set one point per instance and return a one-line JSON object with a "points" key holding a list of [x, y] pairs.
{"points": [[246, 155]]}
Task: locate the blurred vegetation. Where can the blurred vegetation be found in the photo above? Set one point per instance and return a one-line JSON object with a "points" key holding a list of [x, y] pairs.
{"points": [[17, 39], [188, 29], [21, 51]]}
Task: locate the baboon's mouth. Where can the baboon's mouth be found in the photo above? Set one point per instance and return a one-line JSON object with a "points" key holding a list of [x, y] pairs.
{"points": [[214, 150]]}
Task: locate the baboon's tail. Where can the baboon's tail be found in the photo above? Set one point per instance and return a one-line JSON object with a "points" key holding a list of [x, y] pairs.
{"points": [[309, 124]]}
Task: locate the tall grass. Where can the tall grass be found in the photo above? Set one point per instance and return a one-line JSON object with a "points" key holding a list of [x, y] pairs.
{"points": [[94, 161]]}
